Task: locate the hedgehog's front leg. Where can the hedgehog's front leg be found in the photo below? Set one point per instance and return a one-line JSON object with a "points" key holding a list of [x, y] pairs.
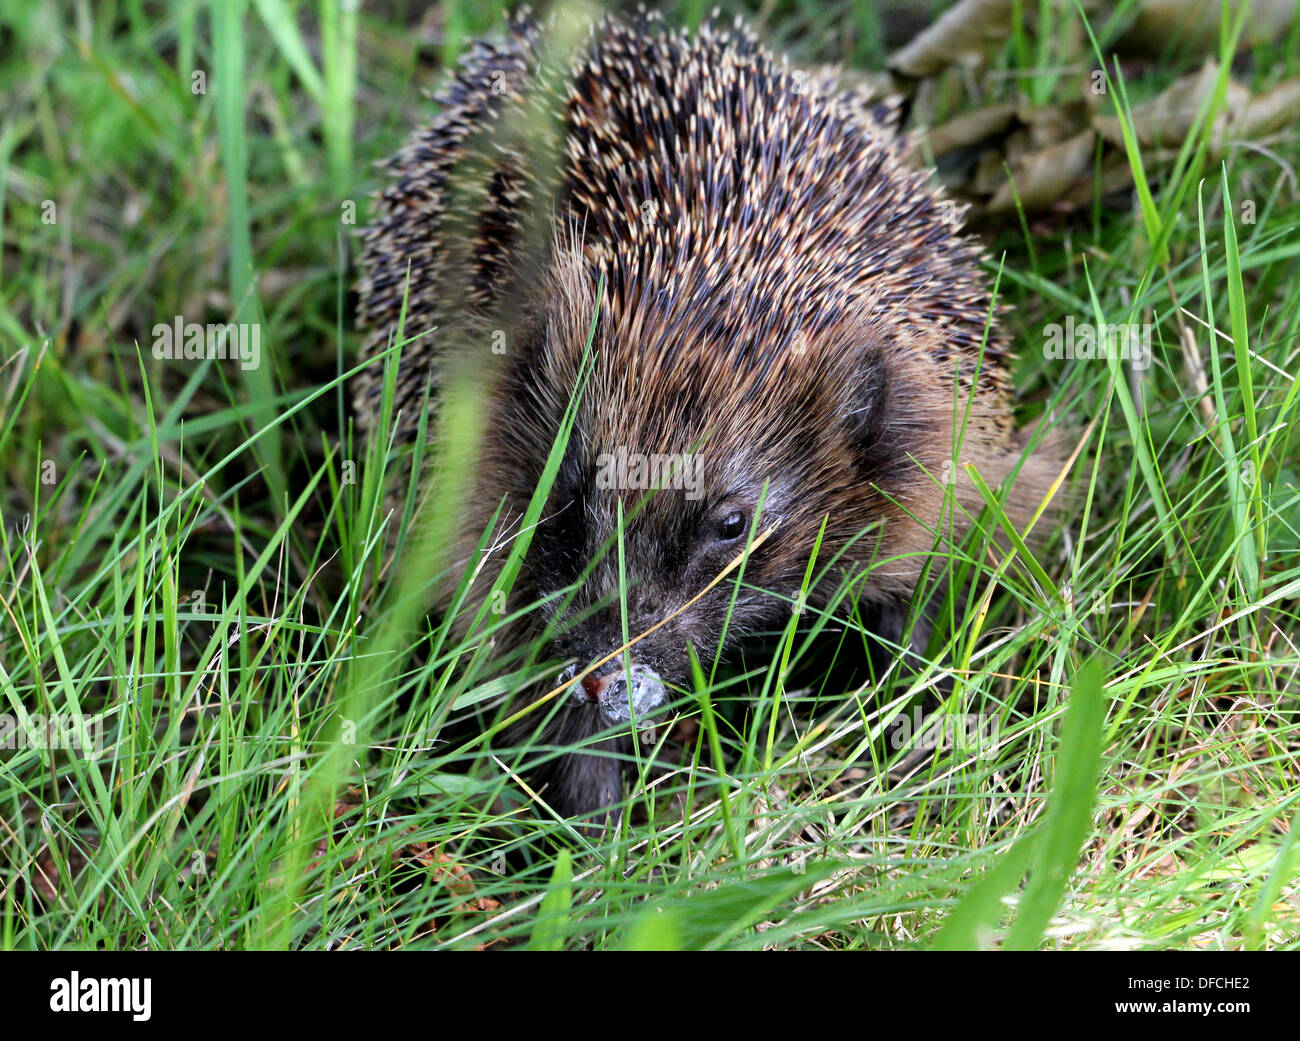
{"points": [[588, 782]]}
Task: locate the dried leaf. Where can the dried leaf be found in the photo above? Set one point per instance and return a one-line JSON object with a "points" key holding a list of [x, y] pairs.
{"points": [[1269, 112], [1041, 178], [1166, 119], [960, 36], [969, 128]]}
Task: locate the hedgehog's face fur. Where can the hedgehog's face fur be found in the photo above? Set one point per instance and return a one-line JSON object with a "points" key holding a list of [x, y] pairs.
{"points": [[825, 427], [675, 541]]}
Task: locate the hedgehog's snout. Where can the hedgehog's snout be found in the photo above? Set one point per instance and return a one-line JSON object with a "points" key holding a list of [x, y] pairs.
{"points": [[609, 688]]}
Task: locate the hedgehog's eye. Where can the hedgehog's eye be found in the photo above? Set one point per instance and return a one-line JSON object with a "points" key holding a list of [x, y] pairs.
{"points": [[732, 526]]}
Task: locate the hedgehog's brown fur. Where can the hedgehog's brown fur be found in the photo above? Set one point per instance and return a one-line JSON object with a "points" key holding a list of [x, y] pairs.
{"points": [[797, 302]]}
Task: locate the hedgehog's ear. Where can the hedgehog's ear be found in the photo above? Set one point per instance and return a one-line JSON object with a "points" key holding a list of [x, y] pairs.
{"points": [[868, 406]]}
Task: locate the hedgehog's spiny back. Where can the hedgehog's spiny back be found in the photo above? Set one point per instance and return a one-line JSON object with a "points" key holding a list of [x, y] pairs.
{"points": [[408, 237], [726, 200]]}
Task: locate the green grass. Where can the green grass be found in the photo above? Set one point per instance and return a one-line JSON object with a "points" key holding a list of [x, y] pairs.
{"points": [[193, 559]]}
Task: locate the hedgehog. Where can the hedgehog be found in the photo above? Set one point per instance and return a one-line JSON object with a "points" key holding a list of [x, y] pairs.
{"points": [[720, 264]]}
